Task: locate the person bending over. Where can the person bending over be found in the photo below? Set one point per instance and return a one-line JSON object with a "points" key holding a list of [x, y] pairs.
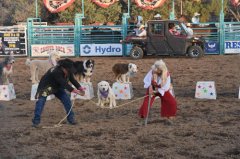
{"points": [[158, 83], [55, 81]]}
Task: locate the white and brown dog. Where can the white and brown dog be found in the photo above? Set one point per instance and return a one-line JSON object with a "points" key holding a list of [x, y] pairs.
{"points": [[84, 70], [106, 95], [41, 65], [6, 69], [123, 72]]}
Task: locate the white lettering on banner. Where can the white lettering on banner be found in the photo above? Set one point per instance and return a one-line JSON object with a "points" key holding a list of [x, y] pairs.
{"points": [[101, 49], [232, 47], [62, 50]]}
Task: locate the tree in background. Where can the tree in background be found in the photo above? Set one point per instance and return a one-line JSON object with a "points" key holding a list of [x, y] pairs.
{"points": [[234, 10], [19, 10], [16, 11]]}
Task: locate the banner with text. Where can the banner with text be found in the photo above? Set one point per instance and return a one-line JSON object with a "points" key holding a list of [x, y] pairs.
{"points": [[232, 47], [61, 49], [12, 43], [211, 47], [101, 50]]}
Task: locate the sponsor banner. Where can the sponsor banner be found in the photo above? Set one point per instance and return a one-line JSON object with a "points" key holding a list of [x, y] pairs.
{"points": [[55, 6], [12, 43], [212, 47], [101, 49], [61, 49], [232, 47]]}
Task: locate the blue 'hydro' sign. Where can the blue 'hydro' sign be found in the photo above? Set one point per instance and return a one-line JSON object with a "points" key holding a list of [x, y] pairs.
{"points": [[101, 49]]}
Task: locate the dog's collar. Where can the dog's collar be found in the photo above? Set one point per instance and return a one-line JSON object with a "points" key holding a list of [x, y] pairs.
{"points": [[104, 93]]}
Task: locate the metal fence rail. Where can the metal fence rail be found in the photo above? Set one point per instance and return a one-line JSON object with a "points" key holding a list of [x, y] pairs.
{"points": [[40, 33]]}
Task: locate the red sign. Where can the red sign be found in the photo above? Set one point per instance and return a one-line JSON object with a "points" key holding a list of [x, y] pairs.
{"points": [[105, 3], [149, 4], [55, 6]]}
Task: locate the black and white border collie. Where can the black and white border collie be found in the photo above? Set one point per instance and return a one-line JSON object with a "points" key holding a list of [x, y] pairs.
{"points": [[6, 69], [84, 70]]}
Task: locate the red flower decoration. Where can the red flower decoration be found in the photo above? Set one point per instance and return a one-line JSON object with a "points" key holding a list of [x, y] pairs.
{"points": [[149, 4], [104, 3], [235, 2], [55, 6]]}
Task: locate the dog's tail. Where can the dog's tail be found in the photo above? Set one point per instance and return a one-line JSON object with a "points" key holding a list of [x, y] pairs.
{"points": [[28, 61]]}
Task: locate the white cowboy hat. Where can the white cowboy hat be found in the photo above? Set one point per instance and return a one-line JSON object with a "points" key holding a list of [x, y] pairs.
{"points": [[188, 24], [142, 26], [157, 16], [196, 14]]}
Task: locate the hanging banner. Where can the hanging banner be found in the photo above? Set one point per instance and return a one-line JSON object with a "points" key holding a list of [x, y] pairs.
{"points": [[61, 49], [232, 47], [55, 6], [104, 3], [101, 49], [12, 42], [149, 4], [211, 47]]}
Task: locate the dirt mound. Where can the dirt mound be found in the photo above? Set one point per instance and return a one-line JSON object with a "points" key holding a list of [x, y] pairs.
{"points": [[202, 129]]}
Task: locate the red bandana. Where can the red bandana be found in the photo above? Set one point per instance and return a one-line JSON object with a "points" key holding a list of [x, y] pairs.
{"points": [[55, 6], [149, 4], [104, 3]]}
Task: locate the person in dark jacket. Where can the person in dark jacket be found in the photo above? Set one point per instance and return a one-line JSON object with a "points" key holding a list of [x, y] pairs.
{"points": [[54, 82]]}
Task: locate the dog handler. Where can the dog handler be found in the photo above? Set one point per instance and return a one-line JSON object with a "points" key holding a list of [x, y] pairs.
{"points": [[54, 82], [158, 83]]}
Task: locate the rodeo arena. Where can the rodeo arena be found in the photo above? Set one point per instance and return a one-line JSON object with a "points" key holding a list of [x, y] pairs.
{"points": [[165, 87]]}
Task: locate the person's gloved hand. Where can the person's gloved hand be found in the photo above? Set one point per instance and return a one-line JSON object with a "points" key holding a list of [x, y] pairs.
{"points": [[81, 89], [154, 84], [76, 91]]}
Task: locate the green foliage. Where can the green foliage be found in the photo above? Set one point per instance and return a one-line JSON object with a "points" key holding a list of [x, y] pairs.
{"points": [[15, 11], [20, 10]]}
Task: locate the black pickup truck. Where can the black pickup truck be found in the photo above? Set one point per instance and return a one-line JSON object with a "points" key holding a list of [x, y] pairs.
{"points": [[159, 41]]}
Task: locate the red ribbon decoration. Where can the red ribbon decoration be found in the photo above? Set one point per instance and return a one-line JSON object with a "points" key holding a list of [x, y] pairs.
{"points": [[104, 3], [149, 4], [55, 6]]}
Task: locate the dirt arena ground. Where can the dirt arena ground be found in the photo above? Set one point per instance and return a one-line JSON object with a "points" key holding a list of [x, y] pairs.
{"points": [[203, 129]]}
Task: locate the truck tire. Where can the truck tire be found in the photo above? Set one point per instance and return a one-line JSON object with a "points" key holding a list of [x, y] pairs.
{"points": [[136, 53], [195, 51]]}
